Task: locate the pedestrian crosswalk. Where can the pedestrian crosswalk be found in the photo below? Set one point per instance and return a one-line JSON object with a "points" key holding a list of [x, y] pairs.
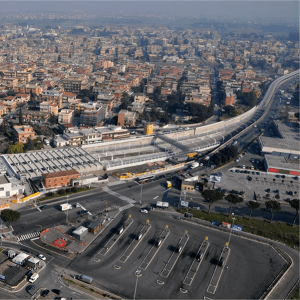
{"points": [[28, 236], [126, 207], [117, 195], [116, 182]]}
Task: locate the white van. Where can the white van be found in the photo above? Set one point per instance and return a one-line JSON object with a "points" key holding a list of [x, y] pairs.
{"points": [[34, 277]]}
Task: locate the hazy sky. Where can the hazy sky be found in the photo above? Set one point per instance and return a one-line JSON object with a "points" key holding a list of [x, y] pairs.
{"points": [[240, 8]]}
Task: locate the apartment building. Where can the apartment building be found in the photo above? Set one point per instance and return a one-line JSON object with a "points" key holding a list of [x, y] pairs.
{"points": [[52, 96], [75, 83], [127, 118], [66, 116], [91, 114], [49, 107], [3, 111], [24, 132]]}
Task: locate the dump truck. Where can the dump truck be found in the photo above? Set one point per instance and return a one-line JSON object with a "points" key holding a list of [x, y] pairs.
{"points": [[168, 184], [65, 206]]}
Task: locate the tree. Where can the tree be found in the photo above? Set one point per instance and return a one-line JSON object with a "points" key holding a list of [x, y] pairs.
{"points": [[252, 205], [212, 196], [29, 145], [20, 117], [125, 101], [230, 111], [9, 215], [247, 99], [15, 148], [268, 196], [233, 200], [53, 119], [295, 204], [61, 192], [4, 127], [277, 196], [273, 206]]}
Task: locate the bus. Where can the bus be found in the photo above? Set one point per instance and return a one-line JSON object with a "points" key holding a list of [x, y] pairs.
{"points": [[145, 179]]}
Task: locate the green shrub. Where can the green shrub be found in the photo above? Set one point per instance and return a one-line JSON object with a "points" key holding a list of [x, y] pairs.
{"points": [[61, 192]]}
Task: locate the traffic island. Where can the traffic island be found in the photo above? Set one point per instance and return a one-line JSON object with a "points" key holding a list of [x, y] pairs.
{"points": [[73, 238]]}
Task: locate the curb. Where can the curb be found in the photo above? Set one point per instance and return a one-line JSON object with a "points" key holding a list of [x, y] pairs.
{"points": [[108, 294], [252, 237]]}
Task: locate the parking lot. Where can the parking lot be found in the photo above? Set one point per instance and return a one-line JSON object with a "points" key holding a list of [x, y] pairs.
{"points": [[173, 269]]}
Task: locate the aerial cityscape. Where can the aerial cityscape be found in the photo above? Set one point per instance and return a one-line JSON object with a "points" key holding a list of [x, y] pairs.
{"points": [[149, 150]]}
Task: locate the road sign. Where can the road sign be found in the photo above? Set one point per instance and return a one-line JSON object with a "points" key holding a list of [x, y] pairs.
{"points": [[184, 203]]}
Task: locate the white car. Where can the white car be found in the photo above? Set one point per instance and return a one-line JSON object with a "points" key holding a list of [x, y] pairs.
{"points": [[42, 257], [145, 211]]}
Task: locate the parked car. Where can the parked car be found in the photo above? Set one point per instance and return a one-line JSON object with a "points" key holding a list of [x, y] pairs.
{"points": [[44, 293], [43, 207], [30, 288], [56, 291], [145, 211], [268, 190]]}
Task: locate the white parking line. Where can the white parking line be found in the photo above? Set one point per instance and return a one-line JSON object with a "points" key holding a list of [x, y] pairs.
{"points": [[155, 197]]}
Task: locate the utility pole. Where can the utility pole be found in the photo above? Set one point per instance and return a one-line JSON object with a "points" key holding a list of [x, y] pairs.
{"points": [[141, 192], [67, 209]]}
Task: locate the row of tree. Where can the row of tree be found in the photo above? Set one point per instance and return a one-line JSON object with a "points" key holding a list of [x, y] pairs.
{"points": [[224, 155], [273, 206]]}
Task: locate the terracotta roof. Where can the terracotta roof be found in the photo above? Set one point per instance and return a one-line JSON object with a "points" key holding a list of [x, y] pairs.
{"points": [[60, 174]]}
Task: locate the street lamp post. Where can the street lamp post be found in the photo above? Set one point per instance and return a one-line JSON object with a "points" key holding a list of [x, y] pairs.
{"points": [[137, 274], [141, 192], [67, 209], [233, 218]]}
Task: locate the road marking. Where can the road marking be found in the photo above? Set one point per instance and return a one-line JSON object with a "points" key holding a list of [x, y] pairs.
{"points": [[168, 271], [213, 284], [155, 197], [123, 258], [28, 236], [144, 262], [117, 267], [114, 239], [190, 277]]}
